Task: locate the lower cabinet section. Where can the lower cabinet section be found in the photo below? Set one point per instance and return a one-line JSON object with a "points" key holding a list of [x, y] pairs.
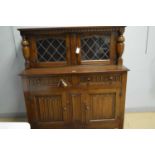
{"points": [[93, 108]]}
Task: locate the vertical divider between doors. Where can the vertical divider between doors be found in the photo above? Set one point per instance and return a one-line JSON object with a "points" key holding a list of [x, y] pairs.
{"points": [[73, 48], [68, 50], [78, 44]]}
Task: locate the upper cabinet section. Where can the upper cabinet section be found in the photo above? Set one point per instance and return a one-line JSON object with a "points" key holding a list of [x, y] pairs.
{"points": [[49, 47]]}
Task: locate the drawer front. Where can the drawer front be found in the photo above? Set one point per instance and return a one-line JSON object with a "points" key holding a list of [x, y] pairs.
{"points": [[99, 79], [46, 83], [76, 81]]}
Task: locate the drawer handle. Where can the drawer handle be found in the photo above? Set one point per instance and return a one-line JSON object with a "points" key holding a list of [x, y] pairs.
{"points": [[111, 78], [88, 79], [62, 83]]}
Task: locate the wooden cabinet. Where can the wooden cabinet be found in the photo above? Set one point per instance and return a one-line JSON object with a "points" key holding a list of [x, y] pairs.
{"points": [[74, 77]]}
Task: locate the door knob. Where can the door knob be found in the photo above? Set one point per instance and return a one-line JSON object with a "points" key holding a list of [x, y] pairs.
{"points": [[87, 107], [65, 108]]}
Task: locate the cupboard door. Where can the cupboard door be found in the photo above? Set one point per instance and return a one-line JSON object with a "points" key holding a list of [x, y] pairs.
{"points": [[50, 110], [102, 108], [96, 48], [77, 111], [50, 50]]}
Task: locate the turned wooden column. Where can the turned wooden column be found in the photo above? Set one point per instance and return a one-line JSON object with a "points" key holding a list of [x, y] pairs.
{"points": [[120, 46], [26, 52]]}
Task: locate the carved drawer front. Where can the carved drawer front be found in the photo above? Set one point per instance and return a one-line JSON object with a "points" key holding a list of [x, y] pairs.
{"points": [[99, 79], [52, 81]]}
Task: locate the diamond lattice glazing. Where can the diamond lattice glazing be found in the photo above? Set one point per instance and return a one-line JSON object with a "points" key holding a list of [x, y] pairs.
{"points": [[51, 50], [95, 47]]}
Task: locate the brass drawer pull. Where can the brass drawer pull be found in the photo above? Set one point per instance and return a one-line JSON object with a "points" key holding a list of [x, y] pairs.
{"points": [[88, 79], [62, 83]]}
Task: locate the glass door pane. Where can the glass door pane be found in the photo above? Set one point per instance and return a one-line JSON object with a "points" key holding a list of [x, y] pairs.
{"points": [[95, 47], [51, 49]]}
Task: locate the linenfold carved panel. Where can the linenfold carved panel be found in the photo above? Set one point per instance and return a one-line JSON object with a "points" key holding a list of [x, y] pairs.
{"points": [[102, 106], [49, 108]]}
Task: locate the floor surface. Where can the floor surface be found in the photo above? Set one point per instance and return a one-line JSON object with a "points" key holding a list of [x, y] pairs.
{"points": [[143, 120]]}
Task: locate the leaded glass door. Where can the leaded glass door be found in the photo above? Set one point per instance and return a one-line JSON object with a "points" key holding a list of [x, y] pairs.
{"points": [[95, 48], [52, 50]]}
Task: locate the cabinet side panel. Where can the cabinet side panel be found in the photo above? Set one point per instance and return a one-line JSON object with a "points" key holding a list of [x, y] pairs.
{"points": [[123, 96]]}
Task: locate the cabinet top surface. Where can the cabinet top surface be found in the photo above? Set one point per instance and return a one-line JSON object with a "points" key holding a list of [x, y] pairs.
{"points": [[71, 29], [73, 70]]}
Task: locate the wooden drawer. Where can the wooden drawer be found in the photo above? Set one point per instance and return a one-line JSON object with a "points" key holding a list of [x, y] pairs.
{"points": [[46, 83], [74, 81], [99, 79]]}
